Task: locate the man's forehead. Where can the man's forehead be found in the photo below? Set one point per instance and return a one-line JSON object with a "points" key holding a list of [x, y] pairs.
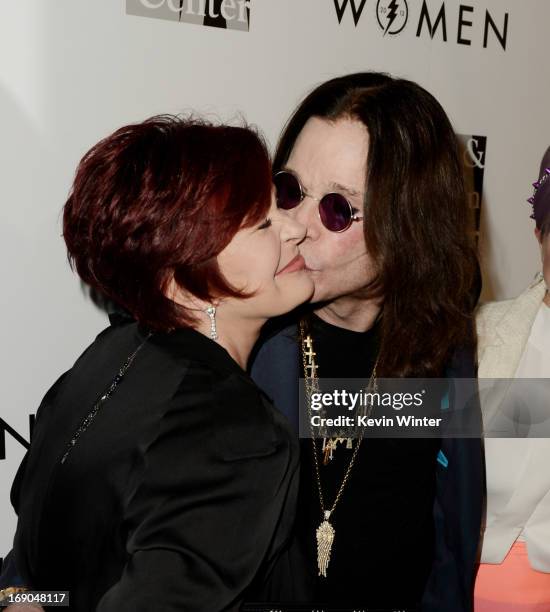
{"points": [[344, 189], [331, 156], [324, 182]]}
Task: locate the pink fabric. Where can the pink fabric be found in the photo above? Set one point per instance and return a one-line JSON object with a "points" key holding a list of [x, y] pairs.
{"points": [[512, 586]]}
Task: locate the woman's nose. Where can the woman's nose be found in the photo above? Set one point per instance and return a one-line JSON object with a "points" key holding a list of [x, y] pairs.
{"points": [[307, 214], [292, 229]]}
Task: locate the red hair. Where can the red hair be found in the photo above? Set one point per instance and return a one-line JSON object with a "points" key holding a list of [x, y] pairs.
{"points": [[159, 200]]}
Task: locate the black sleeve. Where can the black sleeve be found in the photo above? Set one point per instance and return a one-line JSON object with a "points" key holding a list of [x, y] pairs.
{"points": [[459, 502], [9, 576], [10, 572], [205, 515], [44, 404], [457, 517]]}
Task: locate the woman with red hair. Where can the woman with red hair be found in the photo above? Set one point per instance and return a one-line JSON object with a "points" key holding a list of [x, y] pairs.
{"points": [[159, 477]]}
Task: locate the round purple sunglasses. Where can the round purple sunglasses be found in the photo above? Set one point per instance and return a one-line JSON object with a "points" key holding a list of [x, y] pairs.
{"points": [[335, 210]]}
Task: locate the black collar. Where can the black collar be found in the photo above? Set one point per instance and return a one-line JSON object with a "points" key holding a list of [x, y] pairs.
{"points": [[191, 344], [185, 342]]}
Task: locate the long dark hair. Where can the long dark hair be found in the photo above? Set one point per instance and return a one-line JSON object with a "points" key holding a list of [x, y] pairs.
{"points": [[416, 216]]}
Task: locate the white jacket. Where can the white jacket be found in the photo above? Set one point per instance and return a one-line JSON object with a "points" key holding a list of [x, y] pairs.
{"points": [[518, 470]]}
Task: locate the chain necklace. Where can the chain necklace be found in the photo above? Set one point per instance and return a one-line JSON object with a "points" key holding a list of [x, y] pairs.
{"points": [[325, 532], [100, 401]]}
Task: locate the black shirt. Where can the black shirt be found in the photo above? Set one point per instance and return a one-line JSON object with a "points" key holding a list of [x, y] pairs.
{"points": [[383, 546], [177, 496]]}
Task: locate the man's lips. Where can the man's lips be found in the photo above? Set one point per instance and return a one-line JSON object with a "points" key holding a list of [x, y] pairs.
{"points": [[294, 265]]}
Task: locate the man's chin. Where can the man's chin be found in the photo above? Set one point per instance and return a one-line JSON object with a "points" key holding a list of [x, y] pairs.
{"points": [[315, 277], [324, 294], [321, 297]]}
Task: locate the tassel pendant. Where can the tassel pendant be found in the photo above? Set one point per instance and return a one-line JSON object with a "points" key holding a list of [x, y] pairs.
{"points": [[325, 538]]}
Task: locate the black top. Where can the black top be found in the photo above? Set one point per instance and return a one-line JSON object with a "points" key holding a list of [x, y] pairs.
{"points": [[383, 546], [458, 499], [179, 494]]}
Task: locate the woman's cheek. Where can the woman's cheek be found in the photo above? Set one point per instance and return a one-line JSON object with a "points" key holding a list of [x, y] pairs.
{"points": [[269, 252]]}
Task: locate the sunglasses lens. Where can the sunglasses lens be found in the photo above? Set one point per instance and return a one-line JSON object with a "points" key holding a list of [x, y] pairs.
{"points": [[289, 194], [335, 212]]}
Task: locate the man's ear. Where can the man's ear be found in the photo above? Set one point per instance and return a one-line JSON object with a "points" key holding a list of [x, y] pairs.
{"points": [[538, 235]]}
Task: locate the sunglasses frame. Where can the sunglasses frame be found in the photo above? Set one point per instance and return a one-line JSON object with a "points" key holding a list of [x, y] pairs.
{"points": [[304, 194]]}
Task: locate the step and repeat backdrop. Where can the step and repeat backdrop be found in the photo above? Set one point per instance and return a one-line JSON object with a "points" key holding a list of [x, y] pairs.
{"points": [[71, 71]]}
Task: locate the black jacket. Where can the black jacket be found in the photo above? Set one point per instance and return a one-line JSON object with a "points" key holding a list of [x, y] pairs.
{"points": [[177, 496]]}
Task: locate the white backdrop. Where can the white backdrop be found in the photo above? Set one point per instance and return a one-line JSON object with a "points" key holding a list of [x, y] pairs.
{"points": [[71, 71]]}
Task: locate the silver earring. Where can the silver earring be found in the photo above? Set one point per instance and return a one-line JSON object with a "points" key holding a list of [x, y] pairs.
{"points": [[211, 312]]}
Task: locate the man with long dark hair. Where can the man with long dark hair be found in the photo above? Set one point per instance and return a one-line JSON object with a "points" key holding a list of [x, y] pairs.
{"points": [[370, 165]]}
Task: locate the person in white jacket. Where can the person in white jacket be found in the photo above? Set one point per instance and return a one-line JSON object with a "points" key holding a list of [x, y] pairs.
{"points": [[514, 343]]}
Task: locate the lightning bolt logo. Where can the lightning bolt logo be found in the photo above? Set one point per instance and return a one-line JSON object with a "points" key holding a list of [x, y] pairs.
{"points": [[392, 14]]}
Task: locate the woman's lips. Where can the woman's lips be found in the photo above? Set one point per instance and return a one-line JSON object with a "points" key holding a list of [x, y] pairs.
{"points": [[294, 265]]}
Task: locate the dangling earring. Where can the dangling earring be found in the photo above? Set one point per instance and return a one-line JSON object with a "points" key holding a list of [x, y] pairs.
{"points": [[211, 312]]}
